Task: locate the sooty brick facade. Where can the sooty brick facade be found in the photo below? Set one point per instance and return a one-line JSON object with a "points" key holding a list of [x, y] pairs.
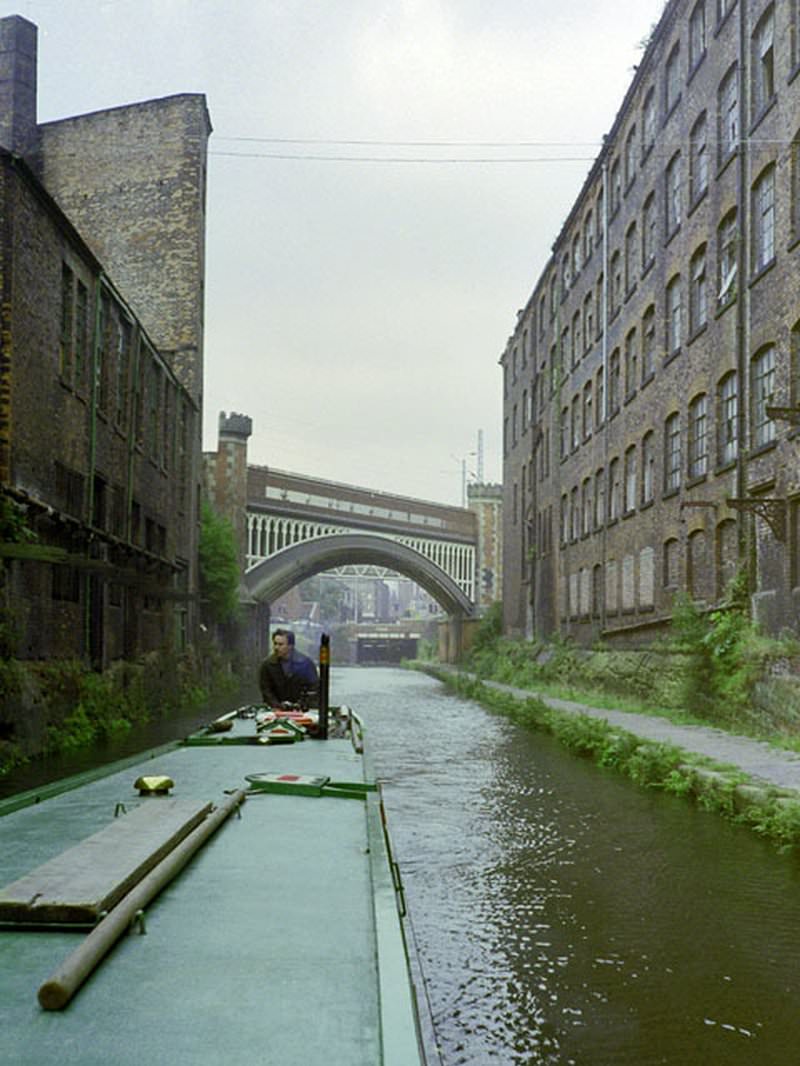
{"points": [[101, 274], [652, 381]]}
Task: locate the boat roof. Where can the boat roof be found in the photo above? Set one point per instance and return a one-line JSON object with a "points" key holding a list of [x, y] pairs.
{"points": [[279, 942]]}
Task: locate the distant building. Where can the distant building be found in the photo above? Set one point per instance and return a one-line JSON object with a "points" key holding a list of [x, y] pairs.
{"points": [[652, 381], [101, 268]]}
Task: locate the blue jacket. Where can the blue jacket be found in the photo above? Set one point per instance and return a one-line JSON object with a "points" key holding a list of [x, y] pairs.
{"points": [[292, 680]]}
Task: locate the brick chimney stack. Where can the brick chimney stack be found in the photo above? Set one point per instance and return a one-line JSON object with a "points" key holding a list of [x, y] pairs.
{"points": [[18, 44]]}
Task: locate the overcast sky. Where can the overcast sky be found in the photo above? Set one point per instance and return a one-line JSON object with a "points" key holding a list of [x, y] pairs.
{"points": [[356, 310]]}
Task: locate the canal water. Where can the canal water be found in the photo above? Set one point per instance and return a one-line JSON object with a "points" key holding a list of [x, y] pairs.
{"points": [[564, 916], [560, 914]]}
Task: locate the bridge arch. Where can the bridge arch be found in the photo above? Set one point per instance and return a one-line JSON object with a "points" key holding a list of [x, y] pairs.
{"points": [[280, 572]]}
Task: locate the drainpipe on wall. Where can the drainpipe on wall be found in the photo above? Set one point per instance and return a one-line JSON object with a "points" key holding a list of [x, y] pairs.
{"points": [[604, 412], [96, 342], [744, 522]]}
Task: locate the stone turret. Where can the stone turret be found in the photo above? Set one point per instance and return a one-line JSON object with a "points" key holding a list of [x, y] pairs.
{"points": [[226, 475], [18, 50]]}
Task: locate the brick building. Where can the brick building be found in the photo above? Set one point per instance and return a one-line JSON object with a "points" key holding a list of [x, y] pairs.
{"points": [[101, 269], [652, 381]]}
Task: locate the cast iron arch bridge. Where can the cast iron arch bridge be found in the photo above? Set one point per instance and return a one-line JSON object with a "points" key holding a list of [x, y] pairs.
{"points": [[376, 536]]}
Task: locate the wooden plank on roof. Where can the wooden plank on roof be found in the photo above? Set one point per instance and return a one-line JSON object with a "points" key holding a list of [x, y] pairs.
{"points": [[91, 877]]}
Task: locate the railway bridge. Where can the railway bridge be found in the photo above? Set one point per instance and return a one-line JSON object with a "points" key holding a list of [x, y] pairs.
{"points": [[292, 526]]}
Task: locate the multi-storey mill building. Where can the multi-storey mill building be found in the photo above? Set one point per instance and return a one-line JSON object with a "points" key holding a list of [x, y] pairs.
{"points": [[652, 382], [102, 266]]}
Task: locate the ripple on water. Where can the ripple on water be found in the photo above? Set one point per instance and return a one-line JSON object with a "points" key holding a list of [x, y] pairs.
{"points": [[564, 916]]}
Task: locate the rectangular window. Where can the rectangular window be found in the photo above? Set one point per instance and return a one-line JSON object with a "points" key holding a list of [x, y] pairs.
{"points": [[763, 387], [728, 114], [727, 258], [649, 222], [82, 335], [614, 382], [588, 322], [648, 344], [587, 410], [672, 80], [576, 255], [630, 156], [599, 499], [764, 220], [65, 357], [616, 187], [587, 510], [648, 467], [563, 519], [698, 296], [564, 432], [674, 315], [614, 490], [599, 391], [673, 193], [576, 339], [649, 122], [588, 237], [630, 479], [575, 422], [763, 59], [698, 436], [631, 241], [616, 282], [631, 361], [123, 365], [66, 584], [697, 34], [698, 177], [103, 352], [671, 563], [727, 424], [672, 453]]}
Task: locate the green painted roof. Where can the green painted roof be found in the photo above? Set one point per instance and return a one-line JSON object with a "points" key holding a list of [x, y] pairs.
{"points": [[265, 949]]}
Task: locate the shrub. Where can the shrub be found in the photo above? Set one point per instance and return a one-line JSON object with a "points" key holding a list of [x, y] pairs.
{"points": [[219, 566]]}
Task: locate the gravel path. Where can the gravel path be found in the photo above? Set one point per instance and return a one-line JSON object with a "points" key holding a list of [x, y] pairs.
{"points": [[754, 757]]}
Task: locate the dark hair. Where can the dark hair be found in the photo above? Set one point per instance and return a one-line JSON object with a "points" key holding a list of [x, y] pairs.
{"points": [[284, 633]]}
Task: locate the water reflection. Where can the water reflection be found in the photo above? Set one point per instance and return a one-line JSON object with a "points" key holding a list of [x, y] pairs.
{"points": [[161, 730], [565, 916]]}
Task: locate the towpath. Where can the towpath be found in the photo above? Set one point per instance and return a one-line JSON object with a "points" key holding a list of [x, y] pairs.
{"points": [[754, 757]]}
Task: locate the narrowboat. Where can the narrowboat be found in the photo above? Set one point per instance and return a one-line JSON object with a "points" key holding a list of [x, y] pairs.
{"points": [[231, 897]]}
